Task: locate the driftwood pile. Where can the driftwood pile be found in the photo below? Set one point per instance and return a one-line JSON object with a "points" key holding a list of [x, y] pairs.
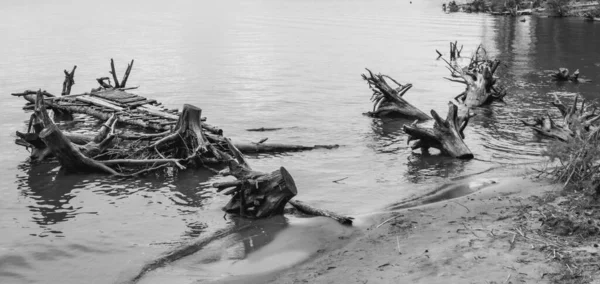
{"points": [[157, 138]]}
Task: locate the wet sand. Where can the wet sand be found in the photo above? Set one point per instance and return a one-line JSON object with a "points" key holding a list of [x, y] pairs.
{"points": [[464, 240]]}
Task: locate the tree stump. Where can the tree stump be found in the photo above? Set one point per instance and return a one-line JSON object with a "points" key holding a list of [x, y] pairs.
{"points": [[187, 140], [389, 101], [479, 79], [256, 194], [446, 135]]}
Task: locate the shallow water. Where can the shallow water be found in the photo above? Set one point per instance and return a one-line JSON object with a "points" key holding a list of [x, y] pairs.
{"points": [[291, 64]]}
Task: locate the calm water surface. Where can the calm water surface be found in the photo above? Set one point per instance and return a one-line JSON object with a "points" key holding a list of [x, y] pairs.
{"points": [[292, 64]]}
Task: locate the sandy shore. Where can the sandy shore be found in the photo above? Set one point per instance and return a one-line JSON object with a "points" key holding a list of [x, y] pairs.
{"points": [[470, 239]]}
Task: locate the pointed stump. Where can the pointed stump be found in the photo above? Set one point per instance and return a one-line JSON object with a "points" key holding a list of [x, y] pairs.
{"points": [[446, 135], [390, 101]]}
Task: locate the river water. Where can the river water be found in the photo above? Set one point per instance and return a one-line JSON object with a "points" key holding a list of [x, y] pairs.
{"points": [[256, 63]]}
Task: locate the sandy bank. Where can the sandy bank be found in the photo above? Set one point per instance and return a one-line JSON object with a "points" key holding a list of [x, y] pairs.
{"points": [[469, 239]]}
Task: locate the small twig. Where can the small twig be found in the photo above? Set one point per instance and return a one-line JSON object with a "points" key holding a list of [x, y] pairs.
{"points": [[468, 211], [398, 243], [507, 278], [390, 219]]}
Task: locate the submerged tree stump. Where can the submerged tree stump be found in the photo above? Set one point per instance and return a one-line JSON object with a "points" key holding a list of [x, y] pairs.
{"points": [[390, 101], [446, 135], [563, 75], [545, 126], [479, 79]]}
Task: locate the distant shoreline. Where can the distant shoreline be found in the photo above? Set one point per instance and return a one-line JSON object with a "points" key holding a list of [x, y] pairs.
{"points": [[588, 10]]}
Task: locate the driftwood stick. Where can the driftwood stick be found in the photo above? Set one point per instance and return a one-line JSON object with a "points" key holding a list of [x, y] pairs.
{"points": [[277, 148], [126, 75], [69, 81], [309, 210], [114, 73]]}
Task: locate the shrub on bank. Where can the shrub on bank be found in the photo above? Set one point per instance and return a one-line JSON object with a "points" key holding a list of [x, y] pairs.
{"points": [[578, 160]]}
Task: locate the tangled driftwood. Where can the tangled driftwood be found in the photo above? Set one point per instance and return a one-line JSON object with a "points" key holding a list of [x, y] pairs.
{"points": [[446, 135], [388, 100]]}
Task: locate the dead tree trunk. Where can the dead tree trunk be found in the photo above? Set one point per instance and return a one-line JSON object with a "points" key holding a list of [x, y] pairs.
{"points": [[69, 82], [479, 80], [256, 194], [446, 136], [388, 101]]}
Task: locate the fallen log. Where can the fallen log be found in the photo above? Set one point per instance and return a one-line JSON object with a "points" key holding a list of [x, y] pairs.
{"points": [[276, 147], [309, 210], [390, 101], [446, 135]]}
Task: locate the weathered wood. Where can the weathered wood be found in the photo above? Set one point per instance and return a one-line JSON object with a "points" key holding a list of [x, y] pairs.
{"points": [[126, 75], [309, 210], [114, 73], [99, 114], [99, 102], [389, 101], [262, 129], [545, 126], [479, 80], [70, 158], [69, 81], [446, 135], [256, 194], [263, 195], [563, 75], [276, 147]]}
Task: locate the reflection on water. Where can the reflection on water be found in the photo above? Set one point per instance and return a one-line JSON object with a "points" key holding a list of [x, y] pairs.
{"points": [[51, 191]]}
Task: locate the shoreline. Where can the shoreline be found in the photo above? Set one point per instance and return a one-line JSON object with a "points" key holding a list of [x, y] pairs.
{"points": [[454, 241]]}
